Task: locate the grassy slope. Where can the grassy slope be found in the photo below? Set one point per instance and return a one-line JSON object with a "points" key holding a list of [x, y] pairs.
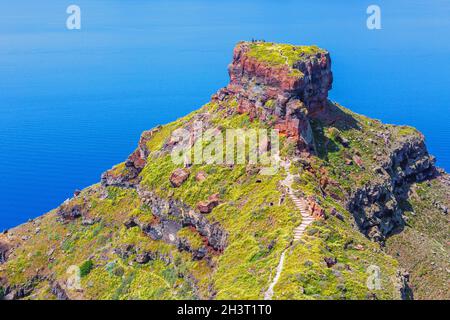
{"points": [[422, 247]]}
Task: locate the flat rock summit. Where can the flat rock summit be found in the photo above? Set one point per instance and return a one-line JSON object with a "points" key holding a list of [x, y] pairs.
{"points": [[357, 210]]}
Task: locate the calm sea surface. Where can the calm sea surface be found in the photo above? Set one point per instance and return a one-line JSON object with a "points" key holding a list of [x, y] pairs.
{"points": [[73, 103]]}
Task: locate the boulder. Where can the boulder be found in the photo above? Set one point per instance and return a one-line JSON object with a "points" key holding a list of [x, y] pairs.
{"points": [[125, 251], [199, 254], [208, 205], [58, 291], [130, 223], [178, 177], [143, 258], [70, 211], [337, 214], [330, 261], [201, 176]]}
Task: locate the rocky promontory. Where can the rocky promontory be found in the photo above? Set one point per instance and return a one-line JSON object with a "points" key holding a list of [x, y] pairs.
{"points": [[281, 85], [362, 195]]}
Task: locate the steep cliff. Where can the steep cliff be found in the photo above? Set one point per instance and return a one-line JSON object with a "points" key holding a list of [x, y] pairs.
{"points": [[280, 85], [157, 229]]}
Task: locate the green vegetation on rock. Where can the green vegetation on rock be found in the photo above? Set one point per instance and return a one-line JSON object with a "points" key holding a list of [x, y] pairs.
{"points": [[282, 54]]}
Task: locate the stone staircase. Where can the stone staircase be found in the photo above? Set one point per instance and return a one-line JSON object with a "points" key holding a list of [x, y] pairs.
{"points": [[307, 219], [299, 203]]}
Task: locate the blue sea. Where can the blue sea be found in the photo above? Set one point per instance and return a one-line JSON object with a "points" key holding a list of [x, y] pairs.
{"points": [[74, 102]]}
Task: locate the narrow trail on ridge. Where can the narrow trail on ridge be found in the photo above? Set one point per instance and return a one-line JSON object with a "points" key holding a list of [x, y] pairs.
{"points": [[307, 219]]}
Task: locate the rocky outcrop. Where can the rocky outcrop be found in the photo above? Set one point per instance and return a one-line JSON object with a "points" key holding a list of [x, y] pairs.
{"points": [[376, 205], [127, 175], [4, 252], [161, 228], [58, 291], [23, 290], [70, 211], [197, 253], [124, 251], [316, 210], [181, 214], [77, 207], [410, 161], [172, 215], [142, 257], [123, 176], [330, 261], [402, 285], [282, 94]]}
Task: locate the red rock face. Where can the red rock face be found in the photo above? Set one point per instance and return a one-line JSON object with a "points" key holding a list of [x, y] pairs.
{"points": [[278, 78], [277, 95]]}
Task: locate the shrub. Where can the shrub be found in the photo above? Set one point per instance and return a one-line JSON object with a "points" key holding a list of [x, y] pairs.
{"points": [[86, 267]]}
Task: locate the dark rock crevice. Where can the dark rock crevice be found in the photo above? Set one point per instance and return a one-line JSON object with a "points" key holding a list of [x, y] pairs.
{"points": [[181, 215], [4, 252], [402, 285], [21, 291], [58, 291]]}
